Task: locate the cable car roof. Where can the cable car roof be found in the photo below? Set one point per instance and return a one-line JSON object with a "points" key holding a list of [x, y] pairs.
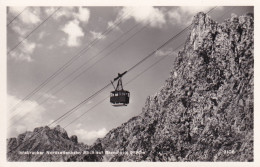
{"points": [[114, 91]]}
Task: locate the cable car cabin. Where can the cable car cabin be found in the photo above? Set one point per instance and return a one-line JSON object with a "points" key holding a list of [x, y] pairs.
{"points": [[119, 98]]}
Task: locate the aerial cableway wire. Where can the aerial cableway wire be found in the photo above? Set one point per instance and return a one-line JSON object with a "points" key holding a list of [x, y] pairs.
{"points": [[80, 104], [68, 63], [74, 58], [13, 108], [129, 81], [166, 43], [38, 26], [152, 65], [83, 66], [111, 52], [16, 16], [93, 95], [130, 69], [74, 78]]}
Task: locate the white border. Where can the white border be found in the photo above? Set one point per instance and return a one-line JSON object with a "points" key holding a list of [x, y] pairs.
{"points": [[4, 4]]}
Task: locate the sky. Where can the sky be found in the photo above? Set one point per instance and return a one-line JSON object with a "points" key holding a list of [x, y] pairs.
{"points": [[135, 33]]}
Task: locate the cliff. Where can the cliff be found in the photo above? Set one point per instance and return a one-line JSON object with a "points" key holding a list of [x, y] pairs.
{"points": [[204, 112]]}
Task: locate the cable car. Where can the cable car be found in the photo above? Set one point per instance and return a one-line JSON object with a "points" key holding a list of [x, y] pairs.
{"points": [[119, 97]]}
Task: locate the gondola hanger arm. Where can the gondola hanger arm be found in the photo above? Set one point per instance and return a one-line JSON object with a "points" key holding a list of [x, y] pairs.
{"points": [[120, 75], [112, 82]]}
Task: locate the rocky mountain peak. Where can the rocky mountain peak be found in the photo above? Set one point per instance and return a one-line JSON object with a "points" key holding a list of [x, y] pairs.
{"points": [[43, 139], [202, 27], [41, 129], [61, 130], [74, 138], [202, 20]]}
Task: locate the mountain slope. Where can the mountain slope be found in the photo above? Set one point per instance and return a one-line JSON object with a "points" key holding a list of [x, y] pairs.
{"points": [[204, 112], [29, 145]]}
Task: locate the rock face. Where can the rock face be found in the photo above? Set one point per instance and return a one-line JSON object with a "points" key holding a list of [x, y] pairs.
{"points": [[204, 112]]}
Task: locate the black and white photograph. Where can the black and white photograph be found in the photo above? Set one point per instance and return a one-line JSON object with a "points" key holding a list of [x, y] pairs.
{"points": [[126, 83]]}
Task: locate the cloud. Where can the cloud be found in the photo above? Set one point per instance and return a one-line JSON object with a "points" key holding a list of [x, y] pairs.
{"points": [[62, 41], [82, 15], [49, 10], [20, 31], [165, 52], [49, 96], [90, 102], [42, 35], [90, 136], [24, 52], [184, 14], [61, 101], [78, 125], [30, 16], [50, 47], [50, 121], [29, 47], [145, 15], [26, 21], [20, 129], [66, 12], [72, 28], [112, 25], [74, 32], [16, 9], [31, 111], [97, 35], [192, 10], [52, 99], [176, 15], [21, 56]]}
